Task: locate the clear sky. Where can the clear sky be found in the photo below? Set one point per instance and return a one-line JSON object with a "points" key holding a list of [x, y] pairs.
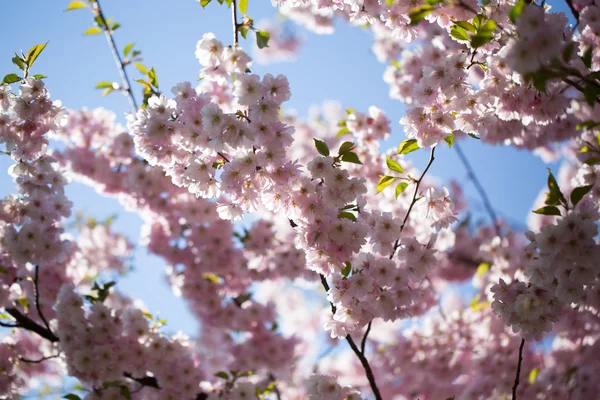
{"points": [[335, 67]]}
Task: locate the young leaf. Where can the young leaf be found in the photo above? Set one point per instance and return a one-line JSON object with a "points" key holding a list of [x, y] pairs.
{"points": [[343, 131], [548, 210], [384, 182], [417, 14], [74, 5], [153, 78], [92, 31], [408, 146], [351, 157], [401, 187], [204, 3], [222, 374], [554, 197], [11, 78], [347, 269], [104, 85], [19, 62], [262, 39], [587, 57], [34, 52], [321, 147], [449, 139], [127, 49], [466, 26], [39, 76], [393, 165], [243, 6], [71, 396], [458, 32], [345, 147], [347, 215], [141, 68], [578, 193]]}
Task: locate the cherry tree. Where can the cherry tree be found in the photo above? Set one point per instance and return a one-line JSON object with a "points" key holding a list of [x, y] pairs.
{"points": [[303, 245]]}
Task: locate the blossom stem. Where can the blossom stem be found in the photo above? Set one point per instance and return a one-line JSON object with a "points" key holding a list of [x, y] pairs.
{"points": [[414, 199], [234, 21], [517, 377], [36, 281], [479, 187], [355, 349], [118, 60]]}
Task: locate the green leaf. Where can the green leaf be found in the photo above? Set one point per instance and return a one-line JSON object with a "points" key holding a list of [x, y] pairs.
{"points": [[533, 375], [71, 396], [459, 33], [347, 269], [478, 20], [417, 14], [39, 76], [347, 215], [11, 78], [465, 25], [351, 157], [516, 10], [115, 26], [578, 193], [343, 131], [483, 268], [587, 57], [591, 93], [489, 26], [481, 38], [92, 31], [449, 139], [548, 210], [243, 6], [393, 165], [474, 136], [222, 374], [33, 53], [204, 3], [408, 146], [127, 49], [554, 197], [19, 62], [141, 68], [401, 187], [592, 161], [321, 147], [345, 147], [384, 182], [107, 91], [103, 85], [262, 39], [243, 30], [153, 79], [74, 5]]}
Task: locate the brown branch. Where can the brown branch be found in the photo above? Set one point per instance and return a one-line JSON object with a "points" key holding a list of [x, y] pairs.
{"points": [[36, 281], [118, 60], [234, 21], [364, 339], [479, 187], [25, 322], [414, 199], [39, 360], [518, 375], [355, 349]]}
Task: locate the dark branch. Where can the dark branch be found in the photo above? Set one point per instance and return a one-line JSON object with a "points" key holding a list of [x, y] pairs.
{"points": [[148, 381], [120, 65], [25, 322], [36, 282], [364, 339], [484, 197], [359, 354], [234, 22], [414, 199], [39, 360], [518, 375]]}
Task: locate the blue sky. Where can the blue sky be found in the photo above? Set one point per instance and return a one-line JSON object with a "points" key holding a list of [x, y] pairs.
{"points": [[335, 67]]}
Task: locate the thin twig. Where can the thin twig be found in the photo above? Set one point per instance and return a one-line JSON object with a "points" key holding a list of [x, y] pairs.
{"points": [[117, 56], [234, 21], [5, 325], [364, 339], [414, 199], [482, 193], [355, 349], [36, 281], [518, 375], [39, 360], [275, 388]]}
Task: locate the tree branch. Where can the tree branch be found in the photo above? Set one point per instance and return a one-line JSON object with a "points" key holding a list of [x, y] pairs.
{"points": [[25, 322], [234, 21], [414, 199], [36, 281], [479, 187], [116, 55], [518, 375], [364, 339], [355, 349]]}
